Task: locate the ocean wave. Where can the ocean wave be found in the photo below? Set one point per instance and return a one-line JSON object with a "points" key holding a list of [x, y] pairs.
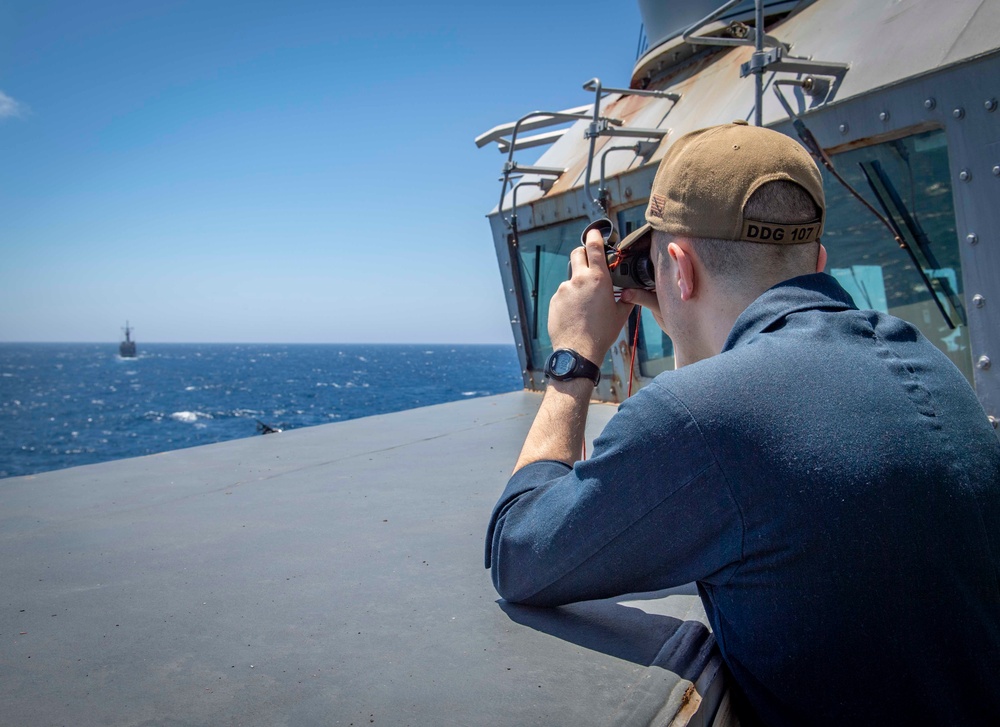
{"points": [[248, 413], [189, 417]]}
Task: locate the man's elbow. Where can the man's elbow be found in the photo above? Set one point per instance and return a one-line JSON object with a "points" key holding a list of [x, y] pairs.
{"points": [[517, 585], [525, 596]]}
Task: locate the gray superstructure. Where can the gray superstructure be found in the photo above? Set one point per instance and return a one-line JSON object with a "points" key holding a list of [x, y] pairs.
{"points": [[911, 87], [334, 575]]}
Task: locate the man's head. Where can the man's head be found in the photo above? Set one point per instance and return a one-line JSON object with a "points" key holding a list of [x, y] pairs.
{"points": [[707, 178], [734, 209]]}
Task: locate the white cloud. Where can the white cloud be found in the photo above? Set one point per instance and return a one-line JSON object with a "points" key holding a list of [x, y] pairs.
{"points": [[10, 107]]}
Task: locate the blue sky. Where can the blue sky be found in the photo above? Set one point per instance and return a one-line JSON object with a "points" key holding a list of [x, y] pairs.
{"points": [[272, 171]]}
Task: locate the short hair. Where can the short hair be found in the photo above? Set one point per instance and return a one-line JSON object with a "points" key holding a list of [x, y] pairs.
{"points": [[743, 264]]}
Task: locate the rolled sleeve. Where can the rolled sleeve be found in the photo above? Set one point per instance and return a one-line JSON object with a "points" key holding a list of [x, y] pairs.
{"points": [[651, 509]]}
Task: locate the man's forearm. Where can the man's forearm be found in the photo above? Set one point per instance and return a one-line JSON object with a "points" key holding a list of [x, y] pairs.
{"points": [[557, 432]]}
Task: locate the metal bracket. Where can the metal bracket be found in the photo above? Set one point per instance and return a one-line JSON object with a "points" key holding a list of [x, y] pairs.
{"points": [[529, 142], [603, 126], [510, 167], [594, 84], [642, 149], [776, 59], [596, 128], [636, 133]]}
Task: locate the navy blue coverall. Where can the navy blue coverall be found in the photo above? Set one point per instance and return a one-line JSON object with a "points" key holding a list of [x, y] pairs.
{"points": [[831, 483]]}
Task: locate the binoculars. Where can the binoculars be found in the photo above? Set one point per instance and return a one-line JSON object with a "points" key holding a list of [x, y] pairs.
{"points": [[629, 268]]}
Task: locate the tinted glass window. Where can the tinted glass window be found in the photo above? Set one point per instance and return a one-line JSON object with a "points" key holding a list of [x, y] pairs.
{"points": [[912, 178], [543, 257]]}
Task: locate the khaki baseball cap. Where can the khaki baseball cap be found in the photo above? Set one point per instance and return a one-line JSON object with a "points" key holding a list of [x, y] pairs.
{"points": [[706, 177]]}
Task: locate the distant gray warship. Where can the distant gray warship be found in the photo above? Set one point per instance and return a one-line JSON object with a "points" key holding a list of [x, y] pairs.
{"points": [[126, 349]]}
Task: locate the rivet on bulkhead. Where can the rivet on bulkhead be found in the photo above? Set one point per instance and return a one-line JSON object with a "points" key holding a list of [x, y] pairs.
{"points": [[972, 238], [983, 363], [991, 104], [958, 113], [965, 175], [930, 103], [978, 300], [844, 128], [883, 116], [996, 171]]}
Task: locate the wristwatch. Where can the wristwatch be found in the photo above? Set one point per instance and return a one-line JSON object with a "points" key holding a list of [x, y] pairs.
{"points": [[565, 364]]}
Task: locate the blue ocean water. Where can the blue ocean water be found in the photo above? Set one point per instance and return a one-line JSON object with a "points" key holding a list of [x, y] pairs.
{"points": [[63, 405]]}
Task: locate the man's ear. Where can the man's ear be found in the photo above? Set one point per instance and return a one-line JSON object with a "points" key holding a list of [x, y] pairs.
{"points": [[821, 259], [684, 275]]}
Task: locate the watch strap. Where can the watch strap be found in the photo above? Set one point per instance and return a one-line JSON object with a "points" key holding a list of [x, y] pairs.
{"points": [[582, 368]]}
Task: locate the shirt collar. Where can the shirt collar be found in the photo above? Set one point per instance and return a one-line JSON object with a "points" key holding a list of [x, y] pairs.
{"points": [[806, 292]]}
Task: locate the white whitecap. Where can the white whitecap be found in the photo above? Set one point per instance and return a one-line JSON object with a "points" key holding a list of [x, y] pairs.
{"points": [[469, 393], [189, 417]]}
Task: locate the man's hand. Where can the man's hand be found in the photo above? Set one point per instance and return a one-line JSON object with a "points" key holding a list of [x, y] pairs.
{"points": [[647, 299], [583, 314]]}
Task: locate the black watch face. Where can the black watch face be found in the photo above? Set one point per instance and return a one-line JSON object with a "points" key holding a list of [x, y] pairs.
{"points": [[562, 363]]}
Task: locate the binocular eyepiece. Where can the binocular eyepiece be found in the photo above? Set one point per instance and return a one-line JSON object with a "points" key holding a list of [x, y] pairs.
{"points": [[629, 268]]}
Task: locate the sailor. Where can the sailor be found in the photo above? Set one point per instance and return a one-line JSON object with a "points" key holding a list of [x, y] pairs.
{"points": [[824, 474]]}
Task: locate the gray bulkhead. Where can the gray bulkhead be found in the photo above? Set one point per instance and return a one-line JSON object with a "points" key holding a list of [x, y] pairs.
{"points": [[910, 86]]}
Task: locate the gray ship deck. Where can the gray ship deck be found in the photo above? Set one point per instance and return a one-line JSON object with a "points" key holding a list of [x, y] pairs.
{"points": [[330, 575]]}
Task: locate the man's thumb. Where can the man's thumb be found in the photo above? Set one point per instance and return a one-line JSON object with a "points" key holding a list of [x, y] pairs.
{"points": [[645, 298]]}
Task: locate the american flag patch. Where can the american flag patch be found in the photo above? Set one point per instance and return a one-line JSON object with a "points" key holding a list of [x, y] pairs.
{"points": [[656, 203]]}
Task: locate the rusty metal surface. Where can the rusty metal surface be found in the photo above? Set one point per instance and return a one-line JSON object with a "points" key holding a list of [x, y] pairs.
{"points": [[925, 34], [914, 66]]}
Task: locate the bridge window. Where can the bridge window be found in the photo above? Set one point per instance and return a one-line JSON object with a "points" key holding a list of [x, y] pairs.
{"points": [[912, 176], [543, 259]]}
